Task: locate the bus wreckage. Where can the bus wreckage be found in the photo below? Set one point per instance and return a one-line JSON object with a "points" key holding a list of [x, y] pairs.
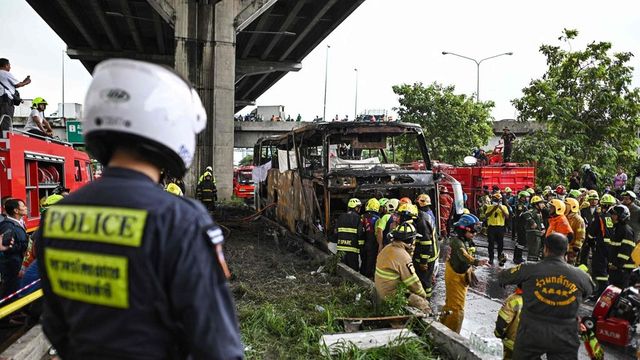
{"points": [[306, 177]]}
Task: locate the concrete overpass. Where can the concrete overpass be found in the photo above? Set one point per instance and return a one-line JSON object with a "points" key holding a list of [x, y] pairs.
{"points": [[231, 50], [247, 133]]}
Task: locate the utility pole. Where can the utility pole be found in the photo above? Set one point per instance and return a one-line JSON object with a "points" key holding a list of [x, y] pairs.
{"points": [[326, 72]]}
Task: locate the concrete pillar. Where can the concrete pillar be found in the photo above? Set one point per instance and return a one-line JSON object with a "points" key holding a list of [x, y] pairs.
{"points": [[224, 95]]}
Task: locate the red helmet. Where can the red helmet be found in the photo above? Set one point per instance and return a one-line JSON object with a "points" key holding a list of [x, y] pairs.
{"points": [[561, 190], [405, 200]]}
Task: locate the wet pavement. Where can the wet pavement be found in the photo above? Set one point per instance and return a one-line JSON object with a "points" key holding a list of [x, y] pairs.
{"points": [[485, 299]]}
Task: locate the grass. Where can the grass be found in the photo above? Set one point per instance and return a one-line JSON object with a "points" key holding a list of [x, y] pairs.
{"points": [[291, 328]]}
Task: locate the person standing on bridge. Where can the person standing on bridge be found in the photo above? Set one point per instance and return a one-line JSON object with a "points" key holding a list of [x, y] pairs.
{"points": [[552, 292], [128, 270]]}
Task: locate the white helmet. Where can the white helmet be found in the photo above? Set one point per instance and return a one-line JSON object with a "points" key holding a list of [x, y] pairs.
{"points": [[132, 102]]}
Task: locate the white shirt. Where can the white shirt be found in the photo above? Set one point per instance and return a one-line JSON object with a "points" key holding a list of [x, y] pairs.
{"points": [[8, 80], [34, 119]]}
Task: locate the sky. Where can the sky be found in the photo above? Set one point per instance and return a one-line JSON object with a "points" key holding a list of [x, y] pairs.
{"points": [[390, 42]]}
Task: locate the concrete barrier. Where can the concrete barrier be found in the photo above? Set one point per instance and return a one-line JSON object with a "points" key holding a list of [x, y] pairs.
{"points": [[32, 345]]}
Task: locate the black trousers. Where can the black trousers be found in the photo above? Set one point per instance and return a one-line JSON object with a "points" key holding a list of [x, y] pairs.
{"points": [[619, 278], [586, 250], [352, 260], [368, 255], [426, 276], [599, 268], [495, 236], [521, 244], [506, 157], [6, 108], [557, 340], [9, 268]]}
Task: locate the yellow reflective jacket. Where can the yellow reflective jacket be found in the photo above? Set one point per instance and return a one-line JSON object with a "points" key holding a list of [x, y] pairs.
{"points": [[509, 319], [579, 230], [394, 265]]}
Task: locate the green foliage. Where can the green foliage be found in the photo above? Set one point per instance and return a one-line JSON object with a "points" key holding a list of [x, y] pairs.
{"points": [[453, 124], [395, 305], [590, 111], [247, 160]]}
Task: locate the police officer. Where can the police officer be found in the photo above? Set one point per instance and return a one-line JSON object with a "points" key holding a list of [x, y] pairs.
{"points": [[552, 292], [121, 259], [349, 233], [622, 244]]}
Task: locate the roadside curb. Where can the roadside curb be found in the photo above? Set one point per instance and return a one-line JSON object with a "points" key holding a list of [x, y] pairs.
{"points": [[32, 345]]}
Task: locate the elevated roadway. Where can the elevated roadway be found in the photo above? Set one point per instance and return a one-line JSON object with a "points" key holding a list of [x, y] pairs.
{"points": [[231, 50]]}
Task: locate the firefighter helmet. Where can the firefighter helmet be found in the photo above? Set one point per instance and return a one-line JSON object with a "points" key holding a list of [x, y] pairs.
{"points": [[209, 168], [558, 207], [507, 190], [392, 205], [405, 200], [408, 209], [466, 211], [174, 189], [383, 202], [573, 193], [536, 199], [497, 196], [531, 191], [572, 205], [405, 232], [621, 211], [586, 167], [608, 199], [523, 194], [354, 203], [467, 222], [582, 190], [561, 190], [593, 195], [147, 107], [423, 200], [372, 205], [630, 194], [38, 101]]}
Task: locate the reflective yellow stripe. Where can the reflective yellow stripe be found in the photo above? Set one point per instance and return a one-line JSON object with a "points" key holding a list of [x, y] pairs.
{"points": [[411, 280], [348, 230], [422, 293], [607, 240], [623, 256], [515, 303], [348, 249], [92, 278], [425, 242], [503, 314], [387, 274], [422, 256], [628, 242], [118, 226], [508, 343], [360, 242], [629, 266], [602, 278]]}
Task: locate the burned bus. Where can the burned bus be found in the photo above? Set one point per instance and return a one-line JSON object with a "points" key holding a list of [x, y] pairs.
{"points": [[306, 177]]}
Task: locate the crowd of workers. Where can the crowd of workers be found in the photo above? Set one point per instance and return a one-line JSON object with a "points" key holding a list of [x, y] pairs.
{"points": [[580, 240]]}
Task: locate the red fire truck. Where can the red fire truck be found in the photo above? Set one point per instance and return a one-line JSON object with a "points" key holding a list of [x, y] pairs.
{"points": [[32, 167], [243, 182]]}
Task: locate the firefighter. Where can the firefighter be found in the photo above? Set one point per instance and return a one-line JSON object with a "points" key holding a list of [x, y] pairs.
{"points": [[349, 232], [552, 292], [602, 252], [508, 321], [206, 192], [578, 227], [369, 250], [534, 228], [459, 272], [146, 264], [426, 251], [209, 170], [591, 216], [496, 215], [561, 192], [558, 220], [446, 204], [622, 244], [386, 223], [520, 238], [629, 200], [394, 266]]}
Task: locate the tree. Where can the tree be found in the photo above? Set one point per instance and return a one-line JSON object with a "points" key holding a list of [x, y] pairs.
{"points": [[453, 124], [247, 160], [590, 112]]}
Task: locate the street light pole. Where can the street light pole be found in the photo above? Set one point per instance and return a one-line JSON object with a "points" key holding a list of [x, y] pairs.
{"points": [[478, 62], [355, 111], [326, 72]]}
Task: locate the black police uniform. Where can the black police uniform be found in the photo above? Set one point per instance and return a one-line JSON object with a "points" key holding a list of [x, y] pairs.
{"points": [[130, 271], [552, 292], [349, 231]]}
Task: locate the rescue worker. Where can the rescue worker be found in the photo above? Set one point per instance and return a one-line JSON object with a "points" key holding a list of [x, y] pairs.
{"points": [[369, 250], [394, 266], [534, 228], [209, 170], [591, 216], [629, 200], [446, 204], [578, 227], [427, 251], [384, 224], [508, 321], [163, 271], [459, 272], [558, 220], [574, 194], [520, 238], [496, 215], [552, 292], [206, 192], [602, 251], [622, 245], [561, 192], [349, 232]]}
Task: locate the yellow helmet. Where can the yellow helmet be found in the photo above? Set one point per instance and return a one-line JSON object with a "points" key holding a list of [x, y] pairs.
{"points": [[558, 205], [466, 211], [354, 203], [372, 205], [392, 205], [497, 196], [423, 200], [593, 195], [174, 189], [572, 205], [507, 190], [531, 191], [411, 209], [608, 199], [536, 199]]}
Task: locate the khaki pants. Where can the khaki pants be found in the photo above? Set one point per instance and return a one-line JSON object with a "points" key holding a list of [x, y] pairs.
{"points": [[456, 294]]}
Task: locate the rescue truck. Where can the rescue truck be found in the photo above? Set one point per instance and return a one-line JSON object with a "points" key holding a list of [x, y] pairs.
{"points": [[33, 166], [243, 182]]}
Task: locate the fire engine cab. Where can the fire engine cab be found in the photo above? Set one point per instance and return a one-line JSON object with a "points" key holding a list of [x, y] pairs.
{"points": [[32, 167]]}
